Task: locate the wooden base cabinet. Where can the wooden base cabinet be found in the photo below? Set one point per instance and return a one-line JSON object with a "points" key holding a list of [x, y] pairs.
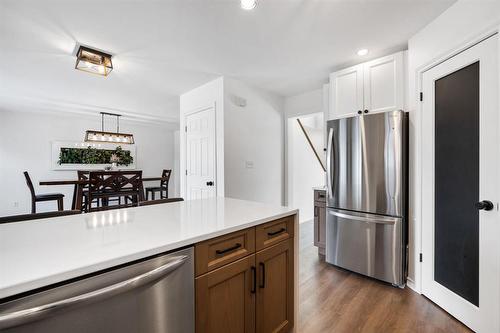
{"points": [[275, 288], [250, 294], [225, 298], [320, 220]]}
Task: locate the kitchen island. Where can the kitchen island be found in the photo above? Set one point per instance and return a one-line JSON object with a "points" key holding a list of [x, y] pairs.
{"points": [[226, 234]]}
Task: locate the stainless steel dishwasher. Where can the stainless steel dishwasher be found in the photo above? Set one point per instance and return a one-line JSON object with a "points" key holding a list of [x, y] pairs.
{"points": [[155, 295]]}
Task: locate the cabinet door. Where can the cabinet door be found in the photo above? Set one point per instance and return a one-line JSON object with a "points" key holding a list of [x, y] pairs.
{"points": [[384, 84], [319, 225], [275, 288], [225, 298], [346, 96]]}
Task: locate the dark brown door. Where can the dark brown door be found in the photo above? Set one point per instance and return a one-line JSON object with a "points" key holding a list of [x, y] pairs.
{"points": [[226, 299], [275, 288]]}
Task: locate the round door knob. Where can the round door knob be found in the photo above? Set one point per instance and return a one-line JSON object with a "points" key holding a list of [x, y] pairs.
{"points": [[210, 183], [360, 112], [485, 205], [366, 111]]}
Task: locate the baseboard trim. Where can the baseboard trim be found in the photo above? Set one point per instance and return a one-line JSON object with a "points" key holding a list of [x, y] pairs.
{"points": [[411, 284]]}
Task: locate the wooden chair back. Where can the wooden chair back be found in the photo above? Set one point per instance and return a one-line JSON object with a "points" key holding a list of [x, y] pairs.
{"points": [[36, 216], [113, 184], [159, 201], [82, 204], [30, 184], [165, 174]]}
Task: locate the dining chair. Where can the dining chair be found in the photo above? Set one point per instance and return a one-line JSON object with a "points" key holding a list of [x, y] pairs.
{"points": [[43, 197], [163, 188], [159, 201], [104, 185], [37, 216], [83, 191]]}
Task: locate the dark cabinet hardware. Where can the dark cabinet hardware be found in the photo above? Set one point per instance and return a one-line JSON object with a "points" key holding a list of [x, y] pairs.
{"points": [[360, 112], [321, 195], [366, 111], [262, 283], [485, 204], [254, 280], [210, 183], [229, 249], [276, 232]]}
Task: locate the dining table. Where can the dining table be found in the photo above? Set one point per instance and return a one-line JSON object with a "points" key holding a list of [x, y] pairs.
{"points": [[77, 182]]}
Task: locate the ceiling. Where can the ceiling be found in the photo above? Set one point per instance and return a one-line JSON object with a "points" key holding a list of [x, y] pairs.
{"points": [[164, 48]]}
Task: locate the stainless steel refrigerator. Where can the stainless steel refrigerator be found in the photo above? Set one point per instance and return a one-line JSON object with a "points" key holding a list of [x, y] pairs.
{"points": [[367, 194]]}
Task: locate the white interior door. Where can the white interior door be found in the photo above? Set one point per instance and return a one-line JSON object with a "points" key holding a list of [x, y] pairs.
{"points": [[460, 166], [200, 155]]}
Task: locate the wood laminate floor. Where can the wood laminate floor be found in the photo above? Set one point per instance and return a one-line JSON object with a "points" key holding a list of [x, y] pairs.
{"points": [[335, 300]]}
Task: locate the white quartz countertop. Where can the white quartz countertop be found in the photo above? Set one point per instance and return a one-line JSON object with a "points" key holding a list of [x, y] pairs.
{"points": [[38, 253]]}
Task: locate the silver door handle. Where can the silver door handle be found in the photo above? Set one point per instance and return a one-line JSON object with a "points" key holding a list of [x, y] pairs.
{"points": [[23, 316], [329, 164], [379, 220]]}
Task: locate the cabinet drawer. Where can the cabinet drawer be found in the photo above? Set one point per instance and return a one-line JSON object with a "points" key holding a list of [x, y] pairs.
{"points": [[220, 251], [320, 195], [273, 232]]}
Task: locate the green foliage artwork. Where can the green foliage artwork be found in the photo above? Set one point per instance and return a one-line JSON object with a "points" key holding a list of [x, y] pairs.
{"points": [[91, 155]]}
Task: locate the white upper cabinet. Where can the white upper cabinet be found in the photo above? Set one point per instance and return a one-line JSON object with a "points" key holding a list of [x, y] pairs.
{"points": [[346, 96], [371, 87], [383, 84]]}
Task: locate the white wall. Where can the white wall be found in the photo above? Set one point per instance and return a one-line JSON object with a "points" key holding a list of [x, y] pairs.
{"points": [[208, 95], [253, 135], [305, 103], [177, 162], [25, 145], [458, 25], [302, 104], [305, 170]]}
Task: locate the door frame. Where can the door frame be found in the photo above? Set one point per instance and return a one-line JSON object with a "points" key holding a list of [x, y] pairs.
{"points": [[417, 163], [184, 149], [464, 310]]}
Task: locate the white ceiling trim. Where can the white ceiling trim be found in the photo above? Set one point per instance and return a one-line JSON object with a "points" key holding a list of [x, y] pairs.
{"points": [[16, 103]]}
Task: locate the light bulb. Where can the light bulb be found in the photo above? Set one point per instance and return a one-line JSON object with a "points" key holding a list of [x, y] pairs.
{"points": [[248, 4], [362, 52]]}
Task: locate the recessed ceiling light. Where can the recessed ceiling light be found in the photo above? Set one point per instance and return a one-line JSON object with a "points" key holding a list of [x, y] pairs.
{"points": [[362, 52], [248, 4]]}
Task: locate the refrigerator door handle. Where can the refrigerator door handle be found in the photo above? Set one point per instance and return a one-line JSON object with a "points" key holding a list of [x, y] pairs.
{"points": [[329, 175], [379, 220]]}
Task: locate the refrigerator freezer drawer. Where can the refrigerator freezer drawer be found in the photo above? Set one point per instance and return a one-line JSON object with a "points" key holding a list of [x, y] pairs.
{"points": [[368, 244]]}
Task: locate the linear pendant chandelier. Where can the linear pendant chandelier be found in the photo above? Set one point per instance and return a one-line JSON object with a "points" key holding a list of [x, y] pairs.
{"points": [[112, 137]]}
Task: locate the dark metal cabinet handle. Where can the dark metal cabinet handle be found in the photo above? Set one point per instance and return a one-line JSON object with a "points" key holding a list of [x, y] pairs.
{"points": [[210, 183], [262, 283], [485, 204], [321, 195], [366, 111], [254, 278], [360, 112], [229, 249], [276, 232]]}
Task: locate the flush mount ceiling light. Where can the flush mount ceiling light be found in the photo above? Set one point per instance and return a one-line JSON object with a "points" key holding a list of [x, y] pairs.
{"points": [[112, 137], [93, 61], [362, 52], [248, 4]]}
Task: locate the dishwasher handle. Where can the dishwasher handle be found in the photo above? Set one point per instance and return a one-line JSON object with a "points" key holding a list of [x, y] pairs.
{"points": [[23, 316]]}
